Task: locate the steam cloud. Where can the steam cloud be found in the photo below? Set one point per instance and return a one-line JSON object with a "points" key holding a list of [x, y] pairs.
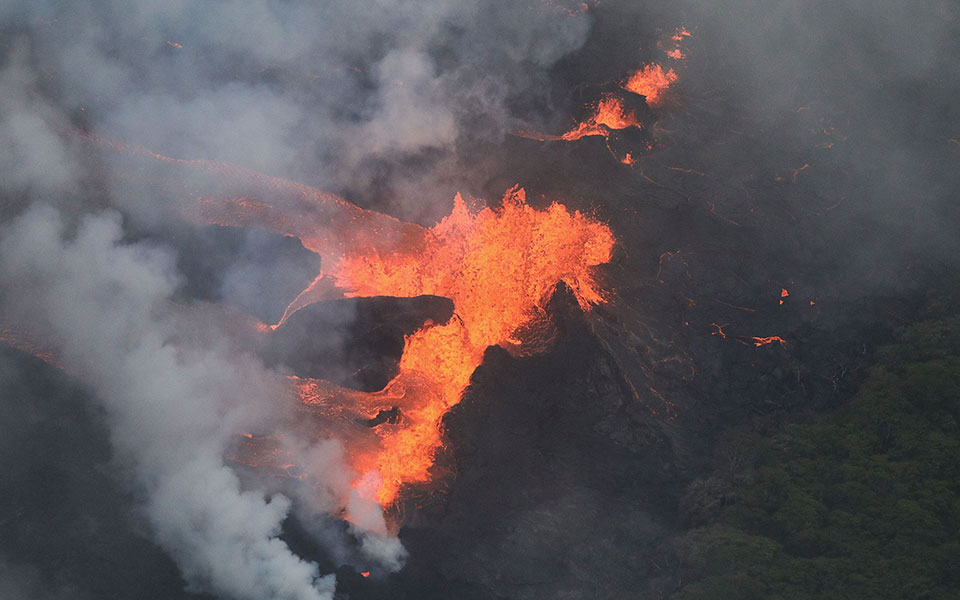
{"points": [[318, 92], [374, 100], [173, 409]]}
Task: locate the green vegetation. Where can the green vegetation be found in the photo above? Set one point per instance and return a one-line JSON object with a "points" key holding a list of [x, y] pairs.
{"points": [[863, 503]]}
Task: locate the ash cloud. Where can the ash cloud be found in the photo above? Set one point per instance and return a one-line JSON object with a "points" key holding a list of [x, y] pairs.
{"points": [[96, 265], [399, 105]]}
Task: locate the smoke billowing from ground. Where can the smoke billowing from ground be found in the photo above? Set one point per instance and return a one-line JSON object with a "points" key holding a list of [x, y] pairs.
{"points": [[321, 93], [399, 105], [314, 92], [172, 408]]}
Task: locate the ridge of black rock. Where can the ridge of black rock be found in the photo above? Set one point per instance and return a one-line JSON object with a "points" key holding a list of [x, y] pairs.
{"points": [[558, 480]]}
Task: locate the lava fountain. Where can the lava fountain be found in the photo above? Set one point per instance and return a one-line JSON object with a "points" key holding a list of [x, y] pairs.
{"points": [[498, 266], [611, 112]]}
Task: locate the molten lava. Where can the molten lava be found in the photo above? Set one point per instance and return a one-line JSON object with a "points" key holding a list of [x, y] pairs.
{"points": [[499, 268], [652, 82], [763, 341], [675, 49], [610, 114], [783, 294]]}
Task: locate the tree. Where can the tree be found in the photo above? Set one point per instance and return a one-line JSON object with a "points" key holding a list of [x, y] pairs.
{"points": [[863, 503]]}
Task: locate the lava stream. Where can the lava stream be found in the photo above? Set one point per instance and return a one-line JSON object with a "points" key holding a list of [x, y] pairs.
{"points": [[498, 266]]}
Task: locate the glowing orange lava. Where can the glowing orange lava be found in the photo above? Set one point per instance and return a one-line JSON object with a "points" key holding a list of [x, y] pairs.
{"points": [[763, 341], [499, 268], [610, 113], [651, 81]]}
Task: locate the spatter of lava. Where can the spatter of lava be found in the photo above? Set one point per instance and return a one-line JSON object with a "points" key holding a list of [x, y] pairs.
{"points": [[499, 266], [652, 82], [611, 112]]}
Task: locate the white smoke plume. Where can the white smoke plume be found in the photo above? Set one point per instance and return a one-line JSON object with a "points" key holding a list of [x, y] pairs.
{"points": [[315, 92], [100, 304]]}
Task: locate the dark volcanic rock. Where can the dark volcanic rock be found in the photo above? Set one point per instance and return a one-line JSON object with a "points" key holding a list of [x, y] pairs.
{"points": [[355, 342], [68, 529], [561, 486]]}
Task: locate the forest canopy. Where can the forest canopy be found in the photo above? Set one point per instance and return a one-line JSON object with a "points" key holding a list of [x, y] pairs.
{"points": [[863, 502]]}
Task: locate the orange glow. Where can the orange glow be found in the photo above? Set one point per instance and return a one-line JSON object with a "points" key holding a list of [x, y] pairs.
{"points": [[23, 341], [652, 82], [324, 223], [365, 574], [674, 47], [610, 113], [783, 294], [763, 341], [796, 172], [499, 267]]}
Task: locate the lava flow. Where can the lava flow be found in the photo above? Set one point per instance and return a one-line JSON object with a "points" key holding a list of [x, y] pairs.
{"points": [[499, 268], [652, 82], [611, 112]]}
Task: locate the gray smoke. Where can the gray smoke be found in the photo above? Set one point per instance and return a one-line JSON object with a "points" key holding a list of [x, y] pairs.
{"points": [[173, 409], [317, 92], [863, 93], [387, 103], [323, 93]]}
